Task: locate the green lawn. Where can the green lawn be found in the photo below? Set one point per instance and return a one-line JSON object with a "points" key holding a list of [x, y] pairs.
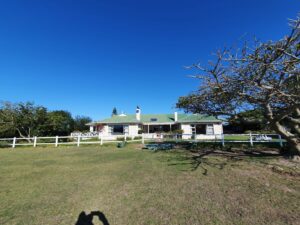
{"points": [[138, 187], [236, 138]]}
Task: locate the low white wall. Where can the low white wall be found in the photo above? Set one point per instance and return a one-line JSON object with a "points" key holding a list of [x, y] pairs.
{"points": [[208, 137], [218, 129], [187, 132], [104, 131], [186, 128], [153, 136], [109, 138], [133, 130]]}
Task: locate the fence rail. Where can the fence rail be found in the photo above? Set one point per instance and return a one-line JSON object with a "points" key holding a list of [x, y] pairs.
{"points": [[100, 139]]}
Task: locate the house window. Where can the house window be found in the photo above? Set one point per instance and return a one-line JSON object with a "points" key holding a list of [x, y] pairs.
{"points": [[118, 129], [126, 129], [209, 129], [200, 129], [110, 130], [193, 128]]}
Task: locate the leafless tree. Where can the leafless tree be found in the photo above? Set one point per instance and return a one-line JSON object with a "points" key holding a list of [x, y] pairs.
{"points": [[263, 75]]}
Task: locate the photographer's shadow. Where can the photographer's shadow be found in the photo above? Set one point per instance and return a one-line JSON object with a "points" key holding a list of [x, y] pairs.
{"points": [[87, 219]]}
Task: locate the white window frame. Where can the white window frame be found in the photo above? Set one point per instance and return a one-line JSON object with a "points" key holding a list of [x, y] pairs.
{"points": [[193, 129], [113, 128], [126, 129], [110, 129], [210, 129]]}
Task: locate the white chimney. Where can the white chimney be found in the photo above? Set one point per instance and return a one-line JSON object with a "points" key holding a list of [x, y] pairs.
{"points": [[138, 113], [175, 116]]}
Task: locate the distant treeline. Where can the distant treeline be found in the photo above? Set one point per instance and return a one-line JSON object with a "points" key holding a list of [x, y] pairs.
{"points": [[25, 119]]}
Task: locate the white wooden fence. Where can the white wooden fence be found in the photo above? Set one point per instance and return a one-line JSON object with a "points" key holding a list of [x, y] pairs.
{"points": [[250, 138], [65, 140], [100, 140]]}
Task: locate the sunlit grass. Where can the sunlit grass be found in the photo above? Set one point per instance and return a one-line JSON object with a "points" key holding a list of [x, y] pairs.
{"points": [[133, 186]]}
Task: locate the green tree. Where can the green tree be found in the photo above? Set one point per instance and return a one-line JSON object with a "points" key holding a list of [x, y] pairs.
{"points": [[250, 120], [22, 119], [59, 122], [80, 123], [264, 76], [114, 112]]}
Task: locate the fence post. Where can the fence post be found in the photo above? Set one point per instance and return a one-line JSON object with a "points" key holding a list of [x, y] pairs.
{"points": [[99, 136], [56, 141], [143, 138], [78, 140], [101, 140], [251, 139], [14, 142], [280, 140], [34, 141], [223, 141], [125, 137]]}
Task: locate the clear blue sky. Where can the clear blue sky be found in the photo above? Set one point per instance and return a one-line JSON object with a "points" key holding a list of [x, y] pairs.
{"points": [[91, 55]]}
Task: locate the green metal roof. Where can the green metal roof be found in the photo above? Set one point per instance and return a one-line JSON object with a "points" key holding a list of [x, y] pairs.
{"points": [[120, 119], [186, 118], [157, 118]]}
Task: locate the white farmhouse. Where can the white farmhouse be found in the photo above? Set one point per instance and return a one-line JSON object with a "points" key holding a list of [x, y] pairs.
{"points": [[191, 125]]}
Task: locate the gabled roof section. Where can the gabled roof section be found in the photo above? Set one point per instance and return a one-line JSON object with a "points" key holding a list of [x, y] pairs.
{"points": [[158, 119], [120, 119], [192, 118]]}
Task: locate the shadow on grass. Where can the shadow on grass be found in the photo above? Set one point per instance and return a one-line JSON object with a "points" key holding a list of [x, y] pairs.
{"points": [[216, 157], [87, 219]]}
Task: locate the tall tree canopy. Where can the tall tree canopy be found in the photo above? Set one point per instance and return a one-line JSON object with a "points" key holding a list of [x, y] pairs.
{"points": [[114, 112], [59, 122], [23, 119], [250, 120], [80, 123], [28, 120], [263, 76]]}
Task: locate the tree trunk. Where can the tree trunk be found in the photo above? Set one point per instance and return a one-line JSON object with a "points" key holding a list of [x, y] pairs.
{"points": [[293, 140], [23, 136]]}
